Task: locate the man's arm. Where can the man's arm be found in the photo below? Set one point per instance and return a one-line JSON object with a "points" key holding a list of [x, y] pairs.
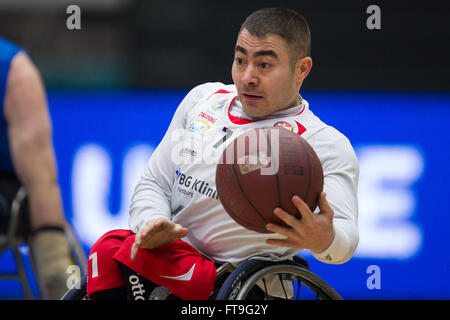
{"points": [[332, 233], [150, 199], [150, 213], [29, 136], [341, 171]]}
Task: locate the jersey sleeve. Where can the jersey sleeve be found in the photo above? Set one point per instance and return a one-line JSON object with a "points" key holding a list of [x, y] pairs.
{"points": [[341, 173], [151, 197]]}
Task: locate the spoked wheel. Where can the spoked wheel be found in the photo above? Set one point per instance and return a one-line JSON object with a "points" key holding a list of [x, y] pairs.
{"points": [[267, 280]]}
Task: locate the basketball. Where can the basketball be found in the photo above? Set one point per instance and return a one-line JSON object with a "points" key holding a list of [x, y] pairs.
{"points": [[262, 169]]}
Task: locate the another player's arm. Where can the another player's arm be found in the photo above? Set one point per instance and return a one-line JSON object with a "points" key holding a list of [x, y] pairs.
{"points": [[29, 136]]}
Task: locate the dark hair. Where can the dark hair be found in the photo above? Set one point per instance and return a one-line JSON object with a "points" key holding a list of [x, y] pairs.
{"points": [[284, 22]]}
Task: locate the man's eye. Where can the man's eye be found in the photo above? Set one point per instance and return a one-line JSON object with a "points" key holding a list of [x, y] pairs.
{"points": [[264, 65], [238, 60]]}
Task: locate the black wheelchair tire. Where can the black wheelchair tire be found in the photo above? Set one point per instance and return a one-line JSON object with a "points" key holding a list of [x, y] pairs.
{"points": [[240, 281]]}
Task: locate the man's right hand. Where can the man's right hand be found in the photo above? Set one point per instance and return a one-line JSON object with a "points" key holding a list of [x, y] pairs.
{"points": [[157, 233]]}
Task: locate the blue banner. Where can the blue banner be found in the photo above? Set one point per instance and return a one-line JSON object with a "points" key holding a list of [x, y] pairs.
{"points": [[103, 141]]}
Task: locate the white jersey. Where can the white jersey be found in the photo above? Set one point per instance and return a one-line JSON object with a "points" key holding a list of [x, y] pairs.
{"points": [[179, 181]]}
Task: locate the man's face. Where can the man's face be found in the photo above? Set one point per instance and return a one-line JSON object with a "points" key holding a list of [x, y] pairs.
{"points": [[263, 75]]}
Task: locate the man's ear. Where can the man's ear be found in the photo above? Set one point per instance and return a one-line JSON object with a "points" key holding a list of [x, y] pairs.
{"points": [[302, 69]]}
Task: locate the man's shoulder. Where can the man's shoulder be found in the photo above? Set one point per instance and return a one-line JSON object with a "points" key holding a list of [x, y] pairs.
{"points": [[331, 144], [201, 94], [8, 50], [305, 122], [319, 133], [208, 89]]}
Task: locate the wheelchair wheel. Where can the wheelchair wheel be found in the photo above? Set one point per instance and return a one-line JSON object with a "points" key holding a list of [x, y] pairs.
{"points": [[267, 280]]}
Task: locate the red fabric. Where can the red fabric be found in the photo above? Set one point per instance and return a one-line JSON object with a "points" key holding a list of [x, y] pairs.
{"points": [[107, 275], [196, 274]]}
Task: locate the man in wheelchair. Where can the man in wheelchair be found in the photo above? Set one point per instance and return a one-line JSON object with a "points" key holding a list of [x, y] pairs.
{"points": [[179, 231], [27, 163]]}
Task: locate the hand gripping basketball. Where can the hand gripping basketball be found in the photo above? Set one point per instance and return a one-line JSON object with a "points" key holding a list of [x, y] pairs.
{"points": [[313, 231], [261, 170]]}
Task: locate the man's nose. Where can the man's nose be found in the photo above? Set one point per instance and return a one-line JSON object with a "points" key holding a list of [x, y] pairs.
{"points": [[249, 77]]}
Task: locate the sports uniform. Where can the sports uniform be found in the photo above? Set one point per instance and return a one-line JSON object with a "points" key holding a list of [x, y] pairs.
{"points": [[179, 181], [179, 184], [177, 266]]}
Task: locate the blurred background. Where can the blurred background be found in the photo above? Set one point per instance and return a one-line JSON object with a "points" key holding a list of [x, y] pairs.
{"points": [[114, 84]]}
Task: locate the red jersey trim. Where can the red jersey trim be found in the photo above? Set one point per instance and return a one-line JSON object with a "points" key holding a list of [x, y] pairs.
{"points": [[301, 128], [219, 91]]}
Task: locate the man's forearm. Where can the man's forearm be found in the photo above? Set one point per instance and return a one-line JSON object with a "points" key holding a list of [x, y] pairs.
{"points": [[45, 205]]}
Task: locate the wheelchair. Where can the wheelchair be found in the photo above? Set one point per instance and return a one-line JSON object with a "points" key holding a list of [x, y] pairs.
{"points": [[255, 280], [15, 227]]}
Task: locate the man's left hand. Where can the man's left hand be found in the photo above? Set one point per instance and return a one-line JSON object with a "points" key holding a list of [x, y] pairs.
{"points": [[313, 231]]}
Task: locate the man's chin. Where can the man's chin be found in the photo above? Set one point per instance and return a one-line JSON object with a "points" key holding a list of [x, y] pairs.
{"points": [[253, 107], [254, 110]]}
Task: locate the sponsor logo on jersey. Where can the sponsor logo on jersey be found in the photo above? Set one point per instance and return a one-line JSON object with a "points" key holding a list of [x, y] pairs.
{"points": [[188, 183], [208, 117], [199, 126], [296, 128], [188, 151], [284, 124], [218, 104]]}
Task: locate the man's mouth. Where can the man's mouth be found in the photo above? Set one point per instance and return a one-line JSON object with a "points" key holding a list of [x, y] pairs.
{"points": [[252, 97]]}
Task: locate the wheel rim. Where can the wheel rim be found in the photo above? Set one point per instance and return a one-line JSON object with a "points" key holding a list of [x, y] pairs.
{"points": [[303, 277]]}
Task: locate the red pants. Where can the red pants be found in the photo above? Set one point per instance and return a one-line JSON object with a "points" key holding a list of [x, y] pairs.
{"points": [[177, 266]]}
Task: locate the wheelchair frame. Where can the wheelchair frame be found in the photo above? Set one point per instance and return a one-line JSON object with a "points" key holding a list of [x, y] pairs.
{"points": [[240, 281], [13, 241]]}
